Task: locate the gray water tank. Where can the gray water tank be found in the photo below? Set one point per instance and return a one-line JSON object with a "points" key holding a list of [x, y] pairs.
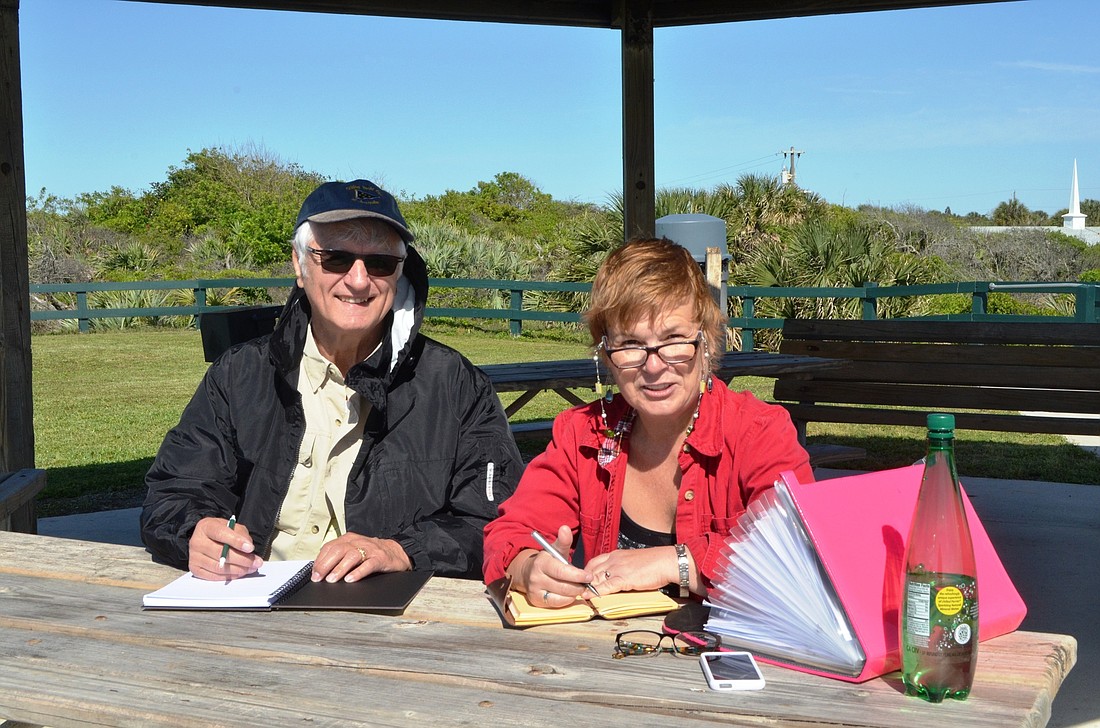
{"points": [[696, 232]]}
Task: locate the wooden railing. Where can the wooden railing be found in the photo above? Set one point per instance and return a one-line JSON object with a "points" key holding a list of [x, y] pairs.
{"points": [[1085, 296]]}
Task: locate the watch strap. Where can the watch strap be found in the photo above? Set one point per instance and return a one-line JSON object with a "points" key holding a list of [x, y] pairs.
{"points": [[685, 576]]}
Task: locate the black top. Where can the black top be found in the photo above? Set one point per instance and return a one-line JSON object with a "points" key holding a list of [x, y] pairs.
{"points": [[633, 536]]}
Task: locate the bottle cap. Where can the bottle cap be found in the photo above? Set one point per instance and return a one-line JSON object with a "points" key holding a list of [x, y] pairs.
{"points": [[940, 423]]}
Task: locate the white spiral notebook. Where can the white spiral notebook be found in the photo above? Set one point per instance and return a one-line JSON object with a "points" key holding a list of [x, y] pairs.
{"points": [[260, 590]]}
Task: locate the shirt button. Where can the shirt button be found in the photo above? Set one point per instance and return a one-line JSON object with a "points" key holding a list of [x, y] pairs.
{"points": [[687, 447], [690, 495], [315, 529], [338, 422]]}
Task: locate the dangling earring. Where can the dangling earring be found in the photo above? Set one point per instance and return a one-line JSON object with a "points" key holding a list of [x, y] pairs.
{"points": [[596, 361], [705, 384], [604, 395]]}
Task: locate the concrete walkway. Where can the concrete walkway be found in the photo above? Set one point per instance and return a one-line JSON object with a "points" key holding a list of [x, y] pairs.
{"points": [[1047, 534]]}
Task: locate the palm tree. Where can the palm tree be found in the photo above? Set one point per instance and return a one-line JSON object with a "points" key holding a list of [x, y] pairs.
{"points": [[825, 253], [761, 207], [1012, 212]]}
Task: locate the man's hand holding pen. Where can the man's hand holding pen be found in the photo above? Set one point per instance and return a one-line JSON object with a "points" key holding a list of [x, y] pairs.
{"points": [[207, 543]]}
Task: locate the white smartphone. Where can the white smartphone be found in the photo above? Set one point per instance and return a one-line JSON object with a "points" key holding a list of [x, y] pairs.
{"points": [[731, 671]]}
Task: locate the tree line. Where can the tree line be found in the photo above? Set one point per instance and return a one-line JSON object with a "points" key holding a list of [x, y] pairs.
{"points": [[229, 213]]}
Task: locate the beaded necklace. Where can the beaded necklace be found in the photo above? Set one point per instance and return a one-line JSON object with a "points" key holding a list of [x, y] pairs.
{"points": [[611, 446]]}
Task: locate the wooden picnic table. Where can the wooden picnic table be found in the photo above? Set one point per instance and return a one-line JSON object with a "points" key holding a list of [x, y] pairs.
{"points": [[533, 377], [76, 649]]}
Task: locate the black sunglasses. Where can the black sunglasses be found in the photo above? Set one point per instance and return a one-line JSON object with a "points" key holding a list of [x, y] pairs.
{"points": [[341, 261]]}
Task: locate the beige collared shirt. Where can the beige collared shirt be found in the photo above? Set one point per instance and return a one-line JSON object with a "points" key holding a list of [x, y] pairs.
{"points": [[313, 510]]}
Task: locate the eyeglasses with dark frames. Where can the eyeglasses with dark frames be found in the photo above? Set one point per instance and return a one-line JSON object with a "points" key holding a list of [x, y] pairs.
{"points": [[647, 643], [632, 357], [341, 261]]}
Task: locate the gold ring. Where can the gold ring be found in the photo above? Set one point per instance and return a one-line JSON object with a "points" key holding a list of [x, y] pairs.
{"points": [[362, 553]]}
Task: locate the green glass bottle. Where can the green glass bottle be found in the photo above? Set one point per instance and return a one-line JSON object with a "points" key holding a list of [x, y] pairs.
{"points": [[939, 609]]}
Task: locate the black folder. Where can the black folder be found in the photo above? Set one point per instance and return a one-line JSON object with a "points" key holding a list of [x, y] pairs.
{"points": [[388, 593]]}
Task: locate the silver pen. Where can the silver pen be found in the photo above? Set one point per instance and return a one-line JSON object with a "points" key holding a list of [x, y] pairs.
{"points": [[549, 548]]}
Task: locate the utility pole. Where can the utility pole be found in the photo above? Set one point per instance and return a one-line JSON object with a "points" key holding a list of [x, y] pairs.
{"points": [[788, 175]]}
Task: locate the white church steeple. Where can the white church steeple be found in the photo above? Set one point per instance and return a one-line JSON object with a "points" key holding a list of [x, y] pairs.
{"points": [[1073, 219]]}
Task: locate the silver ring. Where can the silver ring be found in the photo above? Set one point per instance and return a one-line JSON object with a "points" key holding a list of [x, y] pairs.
{"points": [[607, 575], [546, 596]]}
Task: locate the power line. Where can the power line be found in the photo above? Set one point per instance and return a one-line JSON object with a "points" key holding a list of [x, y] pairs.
{"points": [[758, 162]]}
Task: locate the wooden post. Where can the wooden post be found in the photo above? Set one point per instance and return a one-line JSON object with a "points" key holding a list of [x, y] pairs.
{"points": [[17, 507], [718, 290], [639, 206], [16, 422]]}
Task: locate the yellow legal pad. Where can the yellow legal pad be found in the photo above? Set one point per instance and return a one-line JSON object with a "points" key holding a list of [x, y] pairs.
{"points": [[518, 612]]}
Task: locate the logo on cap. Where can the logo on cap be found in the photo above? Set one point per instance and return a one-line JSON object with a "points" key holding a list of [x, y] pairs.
{"points": [[369, 195]]}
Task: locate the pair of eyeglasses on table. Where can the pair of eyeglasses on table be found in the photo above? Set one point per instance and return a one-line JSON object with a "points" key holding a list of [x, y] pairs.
{"points": [[647, 643]]}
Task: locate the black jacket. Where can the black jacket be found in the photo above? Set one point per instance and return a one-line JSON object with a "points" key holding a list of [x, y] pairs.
{"points": [[420, 477]]}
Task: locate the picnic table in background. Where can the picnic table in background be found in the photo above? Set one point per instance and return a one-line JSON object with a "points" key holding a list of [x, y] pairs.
{"points": [[533, 377]]}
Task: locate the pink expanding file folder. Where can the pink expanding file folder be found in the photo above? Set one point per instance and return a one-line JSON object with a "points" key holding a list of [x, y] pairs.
{"points": [[858, 525]]}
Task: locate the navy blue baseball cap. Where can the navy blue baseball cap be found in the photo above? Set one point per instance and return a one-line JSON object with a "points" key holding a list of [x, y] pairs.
{"points": [[336, 201]]}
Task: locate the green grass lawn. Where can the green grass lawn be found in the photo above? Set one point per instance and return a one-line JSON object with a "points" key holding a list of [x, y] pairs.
{"points": [[103, 402]]}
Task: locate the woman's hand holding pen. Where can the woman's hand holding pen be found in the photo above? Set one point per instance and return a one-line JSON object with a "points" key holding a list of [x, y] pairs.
{"points": [[211, 535], [546, 581]]}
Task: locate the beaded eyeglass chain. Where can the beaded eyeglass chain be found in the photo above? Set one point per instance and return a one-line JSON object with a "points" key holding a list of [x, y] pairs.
{"points": [[612, 439]]}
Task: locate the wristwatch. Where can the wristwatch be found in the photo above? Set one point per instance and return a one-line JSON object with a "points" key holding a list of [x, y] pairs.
{"points": [[685, 577]]}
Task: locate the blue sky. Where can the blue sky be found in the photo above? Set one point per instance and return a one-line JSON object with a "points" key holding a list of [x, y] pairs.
{"points": [[957, 107]]}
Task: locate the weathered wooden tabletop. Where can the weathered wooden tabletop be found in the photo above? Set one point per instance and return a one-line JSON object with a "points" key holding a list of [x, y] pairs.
{"points": [[76, 649]]}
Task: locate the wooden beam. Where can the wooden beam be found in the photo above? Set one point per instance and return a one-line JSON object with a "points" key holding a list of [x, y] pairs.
{"points": [[16, 423], [672, 13], [580, 13], [638, 169], [572, 13]]}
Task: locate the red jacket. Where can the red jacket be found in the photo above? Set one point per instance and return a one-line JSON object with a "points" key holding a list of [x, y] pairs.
{"points": [[737, 450]]}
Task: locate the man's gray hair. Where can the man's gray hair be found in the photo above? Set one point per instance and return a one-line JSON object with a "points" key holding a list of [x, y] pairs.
{"points": [[357, 230]]}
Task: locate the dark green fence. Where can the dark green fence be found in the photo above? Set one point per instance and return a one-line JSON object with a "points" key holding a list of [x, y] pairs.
{"points": [[1085, 296]]}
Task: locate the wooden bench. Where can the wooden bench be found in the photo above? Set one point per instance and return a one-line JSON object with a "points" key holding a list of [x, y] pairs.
{"points": [[1001, 376], [17, 494], [223, 329]]}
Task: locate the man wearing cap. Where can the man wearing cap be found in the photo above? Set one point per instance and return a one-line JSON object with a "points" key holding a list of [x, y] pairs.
{"points": [[346, 436]]}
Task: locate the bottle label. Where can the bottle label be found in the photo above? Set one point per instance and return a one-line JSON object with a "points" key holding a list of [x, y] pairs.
{"points": [[949, 600], [962, 633], [941, 609], [917, 601]]}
